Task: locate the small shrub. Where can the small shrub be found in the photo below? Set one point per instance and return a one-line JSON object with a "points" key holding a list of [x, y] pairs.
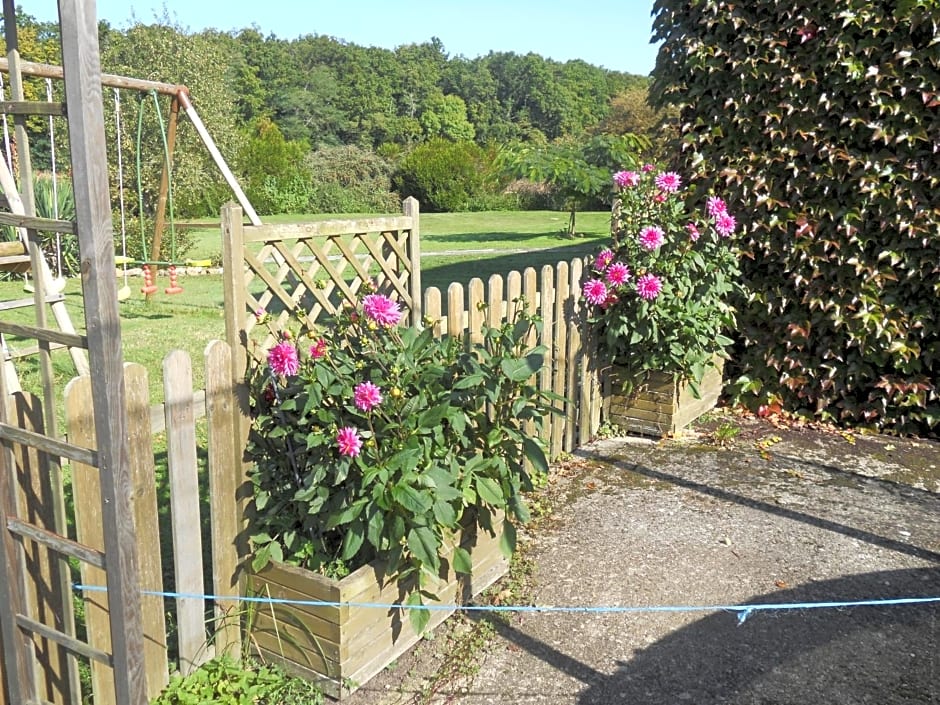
{"points": [[444, 176], [350, 179], [228, 682], [276, 180]]}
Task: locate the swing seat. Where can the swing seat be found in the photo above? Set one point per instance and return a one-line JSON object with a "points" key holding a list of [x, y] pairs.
{"points": [[13, 257]]}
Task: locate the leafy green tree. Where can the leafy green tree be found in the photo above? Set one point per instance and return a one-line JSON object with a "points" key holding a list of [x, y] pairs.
{"points": [[446, 116], [164, 52], [275, 180], [579, 172], [820, 120]]}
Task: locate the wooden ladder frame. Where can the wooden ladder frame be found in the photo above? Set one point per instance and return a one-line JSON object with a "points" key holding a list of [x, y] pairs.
{"points": [[18, 627]]}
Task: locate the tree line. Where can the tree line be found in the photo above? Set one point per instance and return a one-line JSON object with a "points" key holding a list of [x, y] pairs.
{"points": [[291, 114]]}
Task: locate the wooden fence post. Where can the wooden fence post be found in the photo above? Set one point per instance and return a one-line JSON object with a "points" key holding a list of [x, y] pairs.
{"points": [[412, 209], [223, 489], [184, 508], [146, 517]]}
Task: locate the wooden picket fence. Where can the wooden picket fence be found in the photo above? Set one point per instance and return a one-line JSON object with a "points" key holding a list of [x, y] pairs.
{"points": [[199, 629]]}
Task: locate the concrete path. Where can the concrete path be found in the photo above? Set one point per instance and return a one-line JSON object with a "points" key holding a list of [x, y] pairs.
{"points": [[784, 516]]}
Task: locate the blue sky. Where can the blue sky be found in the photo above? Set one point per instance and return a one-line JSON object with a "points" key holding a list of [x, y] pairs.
{"points": [[613, 35]]}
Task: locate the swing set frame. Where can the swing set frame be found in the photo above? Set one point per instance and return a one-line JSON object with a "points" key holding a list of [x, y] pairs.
{"points": [[180, 100]]}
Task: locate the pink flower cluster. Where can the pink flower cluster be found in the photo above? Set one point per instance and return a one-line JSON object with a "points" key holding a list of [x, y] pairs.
{"points": [[348, 441], [603, 292], [283, 359], [626, 179], [725, 223], [381, 310], [652, 237], [367, 396]]}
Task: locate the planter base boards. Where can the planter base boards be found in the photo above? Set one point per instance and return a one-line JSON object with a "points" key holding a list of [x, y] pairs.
{"points": [[341, 648], [662, 407]]}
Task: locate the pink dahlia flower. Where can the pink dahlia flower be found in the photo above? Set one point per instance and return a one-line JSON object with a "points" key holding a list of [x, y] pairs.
{"points": [[647, 168], [668, 182], [348, 441], [651, 237], [694, 234], [283, 359], [624, 179], [617, 273], [595, 291], [603, 259], [725, 224], [318, 349], [648, 286], [367, 396], [381, 309], [715, 206]]}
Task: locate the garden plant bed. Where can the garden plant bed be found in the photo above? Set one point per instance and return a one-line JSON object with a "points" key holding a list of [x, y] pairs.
{"points": [[662, 407], [342, 647]]}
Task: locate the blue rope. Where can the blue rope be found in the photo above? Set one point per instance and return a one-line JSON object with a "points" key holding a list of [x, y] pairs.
{"points": [[743, 611]]}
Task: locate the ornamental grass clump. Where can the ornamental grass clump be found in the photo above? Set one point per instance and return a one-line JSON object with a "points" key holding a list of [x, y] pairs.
{"points": [[659, 296], [372, 440]]}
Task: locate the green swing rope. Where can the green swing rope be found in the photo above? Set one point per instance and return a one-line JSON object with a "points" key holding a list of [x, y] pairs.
{"points": [[169, 173]]}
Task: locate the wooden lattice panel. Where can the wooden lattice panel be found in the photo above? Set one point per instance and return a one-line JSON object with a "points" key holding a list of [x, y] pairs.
{"points": [[304, 273]]}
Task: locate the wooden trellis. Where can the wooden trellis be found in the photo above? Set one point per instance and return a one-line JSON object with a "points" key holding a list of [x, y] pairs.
{"points": [[309, 271]]}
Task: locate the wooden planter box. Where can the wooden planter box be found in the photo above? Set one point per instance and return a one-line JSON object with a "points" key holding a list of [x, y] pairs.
{"points": [[662, 407], [341, 648]]}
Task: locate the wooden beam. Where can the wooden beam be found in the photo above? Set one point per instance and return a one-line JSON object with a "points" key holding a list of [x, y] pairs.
{"points": [[82, 73], [31, 107], [217, 157], [31, 68]]}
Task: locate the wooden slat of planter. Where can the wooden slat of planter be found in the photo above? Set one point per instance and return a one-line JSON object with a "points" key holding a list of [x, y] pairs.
{"points": [[334, 645]]}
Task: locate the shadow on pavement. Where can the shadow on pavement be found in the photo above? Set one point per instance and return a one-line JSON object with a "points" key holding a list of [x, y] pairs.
{"points": [[880, 655]]}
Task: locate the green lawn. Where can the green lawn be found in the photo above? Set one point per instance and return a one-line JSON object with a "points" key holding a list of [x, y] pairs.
{"points": [[455, 247]]}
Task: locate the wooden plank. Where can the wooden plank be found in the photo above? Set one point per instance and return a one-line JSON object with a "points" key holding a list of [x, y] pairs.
{"points": [[184, 508], [574, 382], [223, 500], [32, 68], [562, 302], [86, 492], [49, 445], [476, 311], [146, 516], [18, 665], [35, 223], [432, 310], [412, 210], [12, 248], [547, 312], [494, 301], [51, 336], [455, 311], [58, 543], [236, 335], [513, 294], [31, 107], [183, 97], [89, 162], [270, 232]]}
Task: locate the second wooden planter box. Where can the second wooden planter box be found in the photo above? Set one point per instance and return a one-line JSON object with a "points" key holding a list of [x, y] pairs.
{"points": [[343, 647], [662, 406]]}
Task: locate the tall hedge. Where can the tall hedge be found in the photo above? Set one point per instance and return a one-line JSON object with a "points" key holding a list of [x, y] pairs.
{"points": [[822, 120]]}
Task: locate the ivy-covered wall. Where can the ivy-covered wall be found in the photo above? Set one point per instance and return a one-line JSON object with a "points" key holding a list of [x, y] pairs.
{"points": [[822, 120]]}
